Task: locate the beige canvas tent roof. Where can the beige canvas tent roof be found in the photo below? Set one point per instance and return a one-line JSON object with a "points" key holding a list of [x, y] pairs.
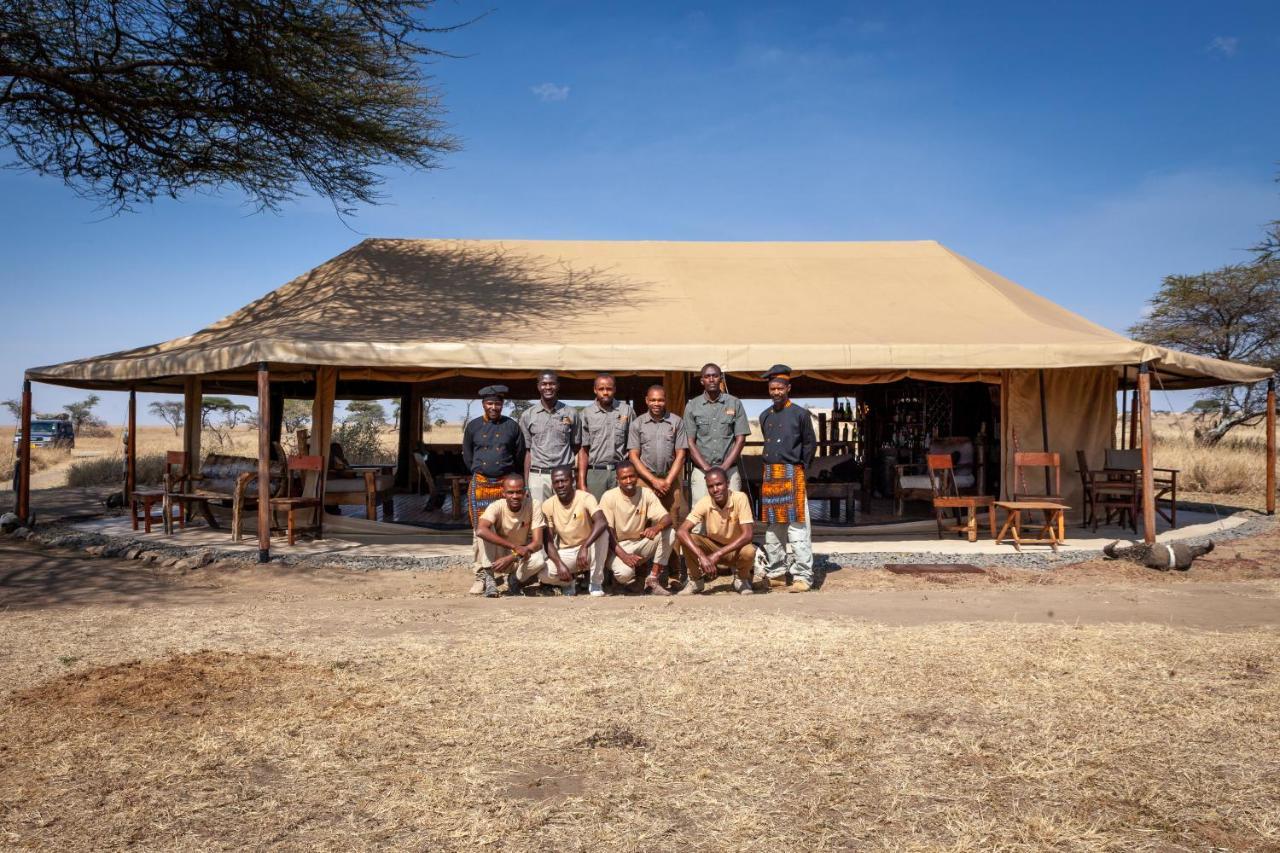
{"points": [[515, 305]]}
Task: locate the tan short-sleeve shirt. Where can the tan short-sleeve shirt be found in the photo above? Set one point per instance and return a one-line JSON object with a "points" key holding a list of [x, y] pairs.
{"points": [[628, 517], [571, 525], [722, 525], [514, 527]]}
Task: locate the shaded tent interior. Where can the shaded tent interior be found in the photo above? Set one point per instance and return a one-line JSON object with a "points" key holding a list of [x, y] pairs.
{"points": [[401, 318]]}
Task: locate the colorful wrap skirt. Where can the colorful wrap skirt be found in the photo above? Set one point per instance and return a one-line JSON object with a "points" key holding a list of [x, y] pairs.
{"points": [[480, 493], [783, 498]]}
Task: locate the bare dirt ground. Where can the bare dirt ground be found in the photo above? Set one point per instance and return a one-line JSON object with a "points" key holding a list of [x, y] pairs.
{"points": [[1096, 707]]}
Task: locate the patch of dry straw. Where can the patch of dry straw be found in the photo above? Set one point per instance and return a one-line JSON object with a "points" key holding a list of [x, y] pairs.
{"points": [[654, 731]]}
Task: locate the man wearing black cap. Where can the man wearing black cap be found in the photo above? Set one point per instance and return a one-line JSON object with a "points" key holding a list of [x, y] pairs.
{"points": [[789, 446], [604, 438], [492, 447]]}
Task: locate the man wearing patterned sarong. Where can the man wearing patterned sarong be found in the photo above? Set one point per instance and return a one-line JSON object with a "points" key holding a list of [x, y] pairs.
{"points": [[789, 446], [492, 447]]}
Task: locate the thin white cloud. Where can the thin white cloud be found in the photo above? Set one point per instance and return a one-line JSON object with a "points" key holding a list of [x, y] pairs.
{"points": [[1224, 45], [548, 92]]}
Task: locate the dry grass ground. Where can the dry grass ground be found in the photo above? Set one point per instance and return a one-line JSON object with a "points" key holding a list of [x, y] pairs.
{"points": [[323, 710]]}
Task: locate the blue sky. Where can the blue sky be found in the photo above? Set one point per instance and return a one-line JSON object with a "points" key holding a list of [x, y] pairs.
{"points": [[1083, 150]]}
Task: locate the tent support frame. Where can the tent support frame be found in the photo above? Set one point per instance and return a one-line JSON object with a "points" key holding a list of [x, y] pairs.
{"points": [[1148, 475], [131, 451], [264, 464], [24, 456]]}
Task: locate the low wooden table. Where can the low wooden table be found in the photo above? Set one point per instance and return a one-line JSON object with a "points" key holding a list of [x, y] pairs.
{"points": [[833, 490], [971, 504], [1051, 532]]}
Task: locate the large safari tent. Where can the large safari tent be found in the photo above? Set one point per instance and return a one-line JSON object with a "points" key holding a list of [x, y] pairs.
{"points": [[394, 318]]}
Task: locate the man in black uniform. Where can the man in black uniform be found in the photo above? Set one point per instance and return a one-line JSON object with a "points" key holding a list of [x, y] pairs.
{"points": [[492, 447], [789, 446]]}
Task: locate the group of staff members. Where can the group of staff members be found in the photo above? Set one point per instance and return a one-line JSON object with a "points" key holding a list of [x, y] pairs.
{"points": [[563, 493]]}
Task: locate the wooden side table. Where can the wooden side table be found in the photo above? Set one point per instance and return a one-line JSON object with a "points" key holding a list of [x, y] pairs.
{"points": [[1051, 532], [145, 500], [971, 504]]}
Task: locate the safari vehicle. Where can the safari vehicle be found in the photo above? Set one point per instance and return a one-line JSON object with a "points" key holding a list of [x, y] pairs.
{"points": [[50, 433]]}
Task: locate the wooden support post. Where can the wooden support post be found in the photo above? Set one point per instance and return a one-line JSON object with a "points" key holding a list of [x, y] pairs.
{"points": [[192, 421], [131, 450], [1133, 411], [264, 464], [410, 402], [1148, 475], [1118, 441], [1271, 446], [1044, 432], [24, 456]]}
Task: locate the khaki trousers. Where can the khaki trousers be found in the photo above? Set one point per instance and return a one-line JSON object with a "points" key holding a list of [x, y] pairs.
{"points": [[600, 480], [488, 553], [569, 556], [539, 486], [656, 551], [742, 563]]}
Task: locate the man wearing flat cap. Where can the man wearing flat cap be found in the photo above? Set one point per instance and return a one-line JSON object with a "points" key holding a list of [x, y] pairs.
{"points": [[492, 448], [789, 446]]}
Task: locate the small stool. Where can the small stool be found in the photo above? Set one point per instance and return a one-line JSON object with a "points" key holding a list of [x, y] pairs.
{"points": [[146, 499]]}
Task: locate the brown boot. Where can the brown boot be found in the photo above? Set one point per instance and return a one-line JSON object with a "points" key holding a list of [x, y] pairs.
{"points": [[656, 586]]}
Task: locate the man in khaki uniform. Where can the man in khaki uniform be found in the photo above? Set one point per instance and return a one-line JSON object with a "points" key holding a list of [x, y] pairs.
{"points": [[552, 433], [640, 531], [716, 423], [509, 536], [577, 536], [605, 423], [658, 444], [726, 542]]}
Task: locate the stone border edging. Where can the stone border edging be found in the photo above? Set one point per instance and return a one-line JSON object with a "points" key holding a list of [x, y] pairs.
{"points": [[60, 535]]}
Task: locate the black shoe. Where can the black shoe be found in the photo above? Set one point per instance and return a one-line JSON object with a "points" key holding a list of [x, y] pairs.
{"points": [[514, 587]]}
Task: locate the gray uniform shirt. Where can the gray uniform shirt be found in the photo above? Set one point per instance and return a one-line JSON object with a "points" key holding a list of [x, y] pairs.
{"points": [[714, 425], [657, 441], [604, 431], [551, 435]]}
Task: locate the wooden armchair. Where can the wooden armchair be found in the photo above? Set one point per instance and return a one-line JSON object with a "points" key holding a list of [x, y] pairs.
{"points": [[1023, 465], [1114, 495], [947, 497], [1127, 464], [302, 474], [909, 483]]}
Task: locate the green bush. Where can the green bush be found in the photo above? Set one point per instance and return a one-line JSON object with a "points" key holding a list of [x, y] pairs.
{"points": [[109, 470], [361, 441]]}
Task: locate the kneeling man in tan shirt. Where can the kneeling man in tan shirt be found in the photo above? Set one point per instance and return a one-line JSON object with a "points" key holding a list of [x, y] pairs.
{"points": [[640, 531], [728, 525]]}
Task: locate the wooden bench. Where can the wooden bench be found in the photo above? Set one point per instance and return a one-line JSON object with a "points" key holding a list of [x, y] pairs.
{"points": [[224, 478]]}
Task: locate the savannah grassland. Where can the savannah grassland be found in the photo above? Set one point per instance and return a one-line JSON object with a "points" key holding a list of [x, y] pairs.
{"points": [[1096, 707]]}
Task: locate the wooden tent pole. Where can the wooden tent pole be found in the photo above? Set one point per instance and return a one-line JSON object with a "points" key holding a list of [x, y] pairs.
{"points": [[192, 422], [131, 450], [1148, 475], [24, 456], [1044, 431], [1133, 413], [1271, 446], [1124, 408], [264, 464]]}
